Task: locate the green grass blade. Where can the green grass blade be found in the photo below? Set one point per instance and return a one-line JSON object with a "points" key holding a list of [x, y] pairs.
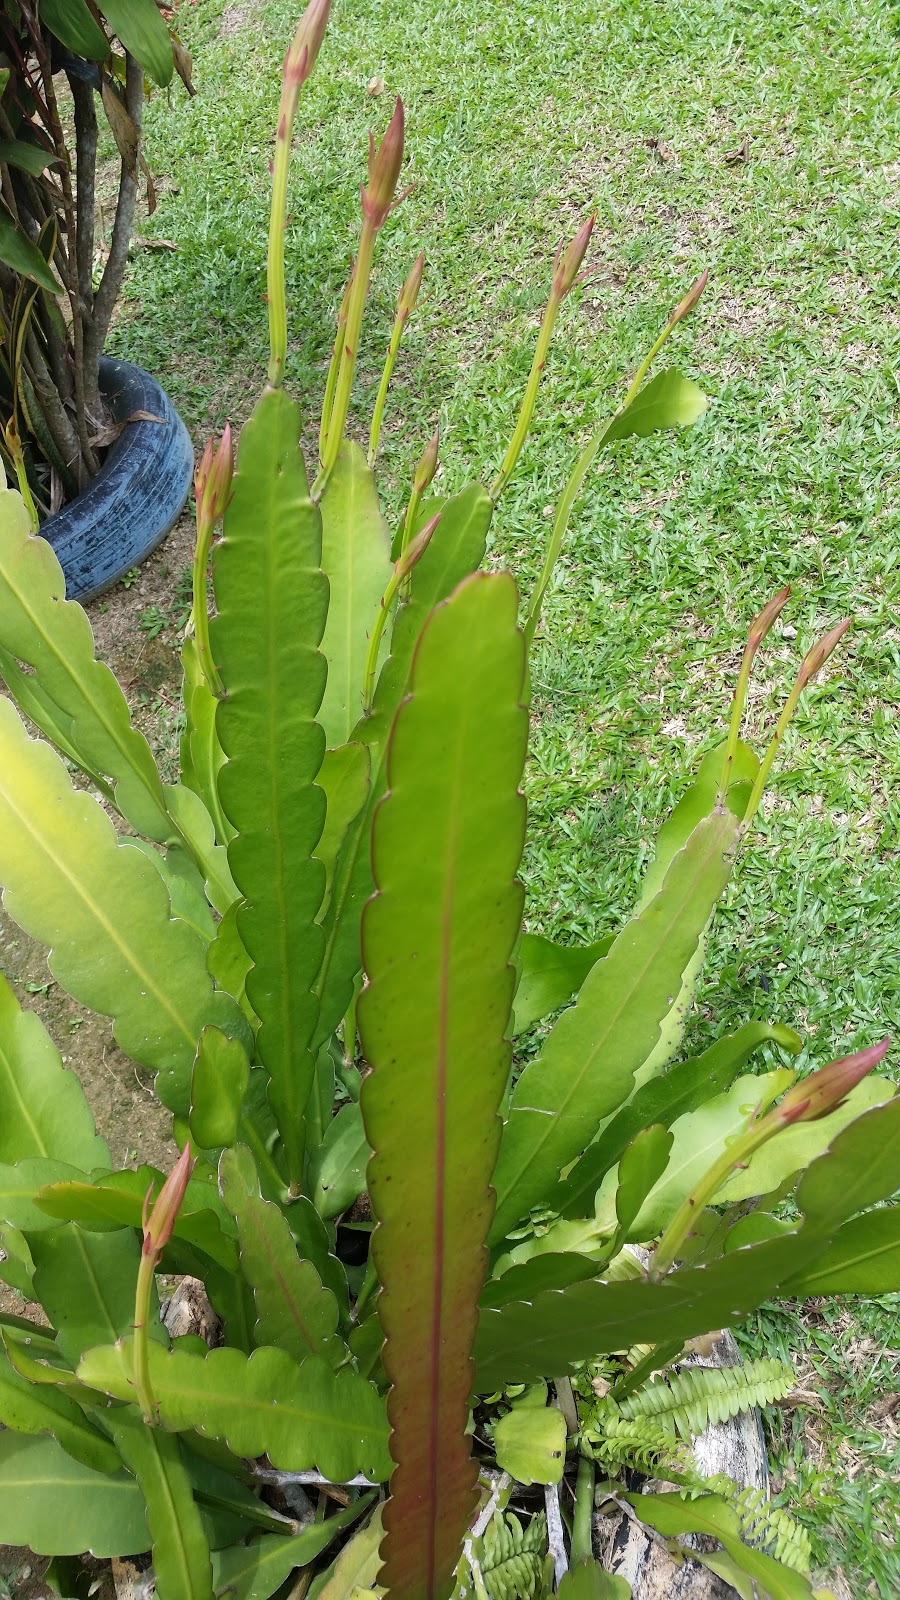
{"points": [[588, 1064], [356, 555], [104, 912], [437, 941], [269, 587], [301, 1417]]}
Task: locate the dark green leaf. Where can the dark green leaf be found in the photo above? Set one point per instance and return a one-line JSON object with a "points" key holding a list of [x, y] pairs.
{"points": [[37, 1408], [180, 1551], [863, 1258], [528, 1278], [642, 1165], [73, 25], [861, 1168], [18, 252], [254, 1571], [586, 1580], [143, 33], [218, 1084], [550, 974], [293, 1310], [338, 1168], [673, 1514], [667, 401]]}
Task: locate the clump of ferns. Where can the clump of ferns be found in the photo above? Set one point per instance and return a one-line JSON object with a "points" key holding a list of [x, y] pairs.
{"points": [[650, 1430], [510, 1561]]}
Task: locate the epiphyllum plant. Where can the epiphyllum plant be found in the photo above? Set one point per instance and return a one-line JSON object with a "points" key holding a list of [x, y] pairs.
{"points": [[339, 859]]}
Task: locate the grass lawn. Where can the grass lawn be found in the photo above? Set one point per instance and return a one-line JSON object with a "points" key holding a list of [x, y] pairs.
{"points": [[760, 140]]}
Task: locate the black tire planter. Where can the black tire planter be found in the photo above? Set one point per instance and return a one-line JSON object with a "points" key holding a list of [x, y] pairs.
{"points": [[137, 495]]}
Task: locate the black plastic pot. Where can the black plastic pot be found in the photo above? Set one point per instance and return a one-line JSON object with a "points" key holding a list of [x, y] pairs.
{"points": [[137, 495]]}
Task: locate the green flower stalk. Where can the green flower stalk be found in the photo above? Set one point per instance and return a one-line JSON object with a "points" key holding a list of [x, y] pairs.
{"points": [[212, 488], [682, 310], [334, 366], [406, 305], [565, 275], [809, 1100], [403, 566], [426, 468], [298, 65], [158, 1227], [377, 196], [759, 627], [812, 663]]}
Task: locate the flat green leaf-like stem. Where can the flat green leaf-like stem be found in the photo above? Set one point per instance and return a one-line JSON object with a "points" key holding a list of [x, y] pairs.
{"points": [[59, 1507], [299, 1416], [588, 1064], [104, 911], [272, 602], [180, 1551], [437, 940]]}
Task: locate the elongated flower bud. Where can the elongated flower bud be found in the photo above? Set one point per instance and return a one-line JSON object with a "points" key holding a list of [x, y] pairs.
{"points": [[761, 623], [686, 306], [409, 294], [304, 47], [824, 1091], [161, 1221], [568, 261], [816, 658], [384, 169], [427, 464], [212, 478]]}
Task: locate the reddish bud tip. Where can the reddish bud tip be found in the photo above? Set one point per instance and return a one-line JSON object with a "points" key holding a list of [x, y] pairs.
{"points": [[305, 45], [815, 659], [158, 1227], [686, 306], [824, 1091], [384, 169], [417, 546], [427, 464], [212, 479], [568, 262], [409, 294], [761, 624]]}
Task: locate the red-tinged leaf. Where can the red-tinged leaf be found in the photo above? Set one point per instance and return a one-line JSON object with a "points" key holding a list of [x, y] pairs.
{"points": [[437, 940]]}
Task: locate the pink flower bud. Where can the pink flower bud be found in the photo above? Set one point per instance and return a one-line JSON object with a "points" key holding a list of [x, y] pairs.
{"points": [[815, 659], [417, 547], [824, 1091], [304, 47], [686, 306], [158, 1227], [428, 463], [384, 169], [212, 478], [761, 624], [568, 261], [409, 294]]}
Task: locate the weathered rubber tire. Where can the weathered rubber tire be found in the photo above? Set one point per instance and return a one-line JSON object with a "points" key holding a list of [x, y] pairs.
{"points": [[137, 495]]}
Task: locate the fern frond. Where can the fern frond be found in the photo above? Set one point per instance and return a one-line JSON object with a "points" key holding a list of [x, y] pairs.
{"points": [[511, 1557], [638, 1443], [691, 1400], [764, 1526]]}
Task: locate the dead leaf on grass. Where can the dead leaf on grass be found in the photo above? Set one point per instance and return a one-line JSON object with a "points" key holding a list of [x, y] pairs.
{"points": [[741, 154]]}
